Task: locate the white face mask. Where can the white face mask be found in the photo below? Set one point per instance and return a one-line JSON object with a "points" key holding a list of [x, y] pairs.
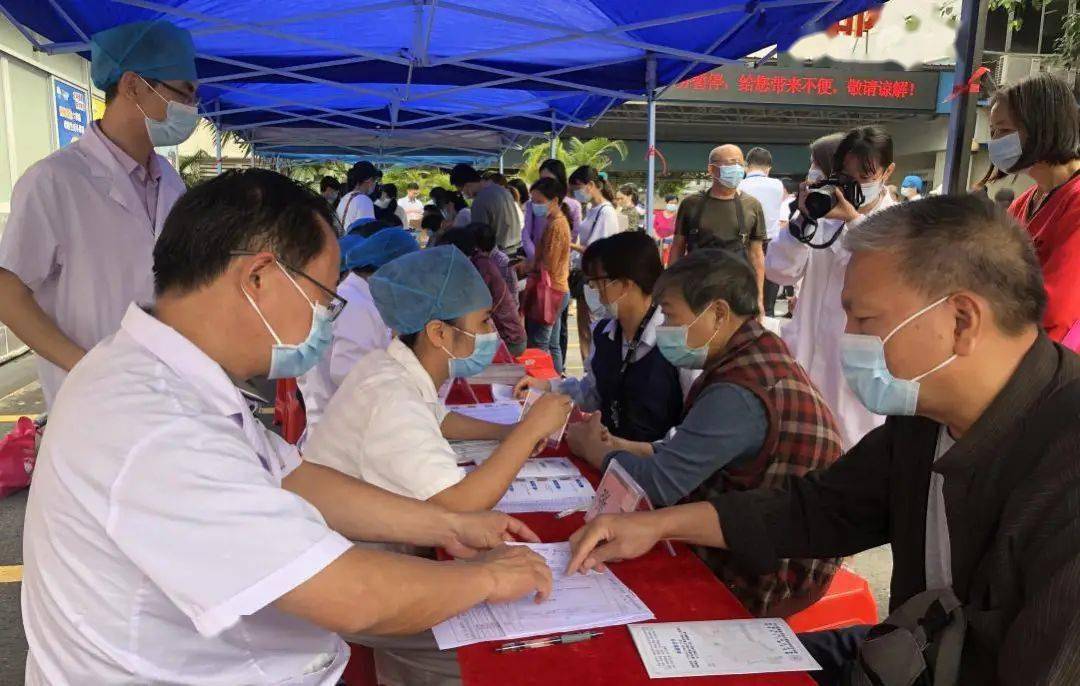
{"points": [[871, 191], [815, 175], [177, 126], [382, 203], [1006, 151]]}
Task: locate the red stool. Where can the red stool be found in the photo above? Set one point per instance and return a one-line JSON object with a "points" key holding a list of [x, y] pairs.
{"points": [[538, 364], [289, 411], [361, 668], [848, 602]]}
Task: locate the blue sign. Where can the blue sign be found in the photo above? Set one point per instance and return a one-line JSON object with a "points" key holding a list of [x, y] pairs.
{"points": [[72, 112]]}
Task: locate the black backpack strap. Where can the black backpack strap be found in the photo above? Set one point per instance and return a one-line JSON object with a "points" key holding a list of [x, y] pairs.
{"points": [[740, 217], [694, 232]]}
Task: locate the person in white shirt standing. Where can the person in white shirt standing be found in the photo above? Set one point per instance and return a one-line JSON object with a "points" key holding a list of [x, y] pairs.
{"points": [[170, 537], [770, 193], [413, 206], [591, 188], [77, 247], [357, 204], [863, 157], [358, 329]]}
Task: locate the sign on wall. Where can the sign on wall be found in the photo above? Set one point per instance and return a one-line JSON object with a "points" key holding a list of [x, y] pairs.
{"points": [[811, 86], [72, 112]]}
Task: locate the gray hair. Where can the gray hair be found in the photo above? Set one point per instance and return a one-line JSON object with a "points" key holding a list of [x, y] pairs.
{"points": [[705, 276], [950, 243]]}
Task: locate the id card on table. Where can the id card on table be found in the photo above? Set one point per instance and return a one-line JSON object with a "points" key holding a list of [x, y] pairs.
{"points": [[619, 493]]}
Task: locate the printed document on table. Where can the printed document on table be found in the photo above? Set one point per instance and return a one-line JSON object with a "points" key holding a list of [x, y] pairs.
{"points": [[546, 495], [473, 451], [577, 602], [737, 646], [503, 412], [543, 468]]}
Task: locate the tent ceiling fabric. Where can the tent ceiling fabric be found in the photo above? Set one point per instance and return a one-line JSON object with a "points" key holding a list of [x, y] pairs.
{"points": [[363, 66]]}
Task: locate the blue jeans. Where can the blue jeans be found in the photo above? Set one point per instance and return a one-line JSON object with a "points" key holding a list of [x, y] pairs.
{"points": [[546, 336]]}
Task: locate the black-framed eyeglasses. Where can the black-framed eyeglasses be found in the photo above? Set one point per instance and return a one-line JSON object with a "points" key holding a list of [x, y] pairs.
{"points": [[192, 99], [335, 303]]}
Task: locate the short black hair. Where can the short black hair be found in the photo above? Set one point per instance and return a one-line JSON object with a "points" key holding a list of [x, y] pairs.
{"points": [[790, 185], [390, 190], [461, 237], [759, 157], [1044, 108], [360, 172], [486, 236], [671, 196], [329, 182], [111, 92], [432, 219], [557, 169], [413, 186], [705, 276], [250, 210], [462, 174], [1005, 195], [628, 255], [629, 191], [588, 174], [521, 187], [872, 145], [496, 178]]}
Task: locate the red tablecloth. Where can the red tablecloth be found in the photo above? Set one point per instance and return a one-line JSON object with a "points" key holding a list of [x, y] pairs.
{"points": [[679, 588]]}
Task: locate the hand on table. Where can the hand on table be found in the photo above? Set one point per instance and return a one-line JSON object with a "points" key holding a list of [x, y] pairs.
{"points": [[474, 531], [515, 572], [610, 538], [590, 440], [521, 388]]}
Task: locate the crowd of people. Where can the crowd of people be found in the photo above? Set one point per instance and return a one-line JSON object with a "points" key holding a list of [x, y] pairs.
{"points": [[925, 393]]}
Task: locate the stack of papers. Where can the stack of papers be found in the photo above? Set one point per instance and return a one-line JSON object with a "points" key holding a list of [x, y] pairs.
{"points": [[737, 646], [502, 412], [577, 602], [473, 451], [503, 373], [546, 495], [545, 468]]}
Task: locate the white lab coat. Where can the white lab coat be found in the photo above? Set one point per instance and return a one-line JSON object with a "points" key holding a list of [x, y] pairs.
{"points": [[158, 534], [358, 330], [80, 238], [384, 426], [813, 335]]}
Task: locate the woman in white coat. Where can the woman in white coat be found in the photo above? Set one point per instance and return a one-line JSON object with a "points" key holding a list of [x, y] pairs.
{"points": [[813, 335]]}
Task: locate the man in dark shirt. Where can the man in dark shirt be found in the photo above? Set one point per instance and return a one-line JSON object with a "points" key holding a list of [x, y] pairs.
{"points": [[491, 204], [967, 493], [723, 217]]}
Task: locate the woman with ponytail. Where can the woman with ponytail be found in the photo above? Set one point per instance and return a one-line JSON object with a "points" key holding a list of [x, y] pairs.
{"points": [[590, 186]]}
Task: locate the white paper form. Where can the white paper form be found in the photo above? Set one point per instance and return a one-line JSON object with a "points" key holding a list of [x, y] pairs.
{"points": [[737, 646], [577, 602], [546, 495], [473, 451], [544, 468], [502, 412]]}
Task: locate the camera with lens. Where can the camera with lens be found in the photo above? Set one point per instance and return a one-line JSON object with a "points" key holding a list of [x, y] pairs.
{"points": [[821, 196]]}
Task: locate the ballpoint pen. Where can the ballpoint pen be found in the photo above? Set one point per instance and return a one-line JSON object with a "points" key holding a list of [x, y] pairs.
{"points": [[564, 639]]}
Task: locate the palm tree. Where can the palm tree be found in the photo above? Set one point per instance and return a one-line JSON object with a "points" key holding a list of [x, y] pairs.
{"points": [[595, 152], [190, 167]]}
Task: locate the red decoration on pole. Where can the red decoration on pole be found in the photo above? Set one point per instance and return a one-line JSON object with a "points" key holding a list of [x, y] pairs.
{"points": [[654, 151], [972, 85]]}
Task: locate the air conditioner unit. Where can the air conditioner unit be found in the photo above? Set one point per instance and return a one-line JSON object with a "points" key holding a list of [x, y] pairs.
{"points": [[1047, 63], [1013, 68]]}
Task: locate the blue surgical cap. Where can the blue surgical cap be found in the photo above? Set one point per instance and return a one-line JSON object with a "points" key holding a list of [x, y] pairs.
{"points": [[436, 283], [152, 49], [347, 243], [380, 248], [912, 182]]}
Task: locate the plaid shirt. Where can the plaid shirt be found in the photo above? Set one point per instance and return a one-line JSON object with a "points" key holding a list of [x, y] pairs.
{"points": [[802, 437]]}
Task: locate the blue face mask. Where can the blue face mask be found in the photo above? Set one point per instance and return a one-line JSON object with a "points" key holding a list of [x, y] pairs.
{"points": [[1006, 151], [288, 361], [179, 123], [672, 343], [539, 210], [863, 361], [582, 196], [484, 349], [730, 175]]}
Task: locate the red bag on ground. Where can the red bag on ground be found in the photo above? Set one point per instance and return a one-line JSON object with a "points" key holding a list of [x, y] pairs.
{"points": [[541, 299], [18, 453]]}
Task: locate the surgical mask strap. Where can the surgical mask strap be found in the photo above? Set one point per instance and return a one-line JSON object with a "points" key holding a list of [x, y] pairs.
{"points": [[706, 343], [452, 355], [913, 317], [947, 362], [259, 312]]}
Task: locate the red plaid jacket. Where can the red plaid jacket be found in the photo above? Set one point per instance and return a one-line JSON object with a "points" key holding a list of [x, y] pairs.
{"points": [[802, 436]]}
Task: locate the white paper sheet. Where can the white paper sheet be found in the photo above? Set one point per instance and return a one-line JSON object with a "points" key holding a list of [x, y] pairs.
{"points": [[501, 392], [502, 412], [544, 468], [577, 602], [473, 451], [502, 373], [548, 495], [737, 646]]}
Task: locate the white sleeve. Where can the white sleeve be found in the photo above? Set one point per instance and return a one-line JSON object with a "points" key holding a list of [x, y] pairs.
{"points": [[196, 511], [30, 247], [355, 335], [786, 260], [609, 223], [405, 451]]}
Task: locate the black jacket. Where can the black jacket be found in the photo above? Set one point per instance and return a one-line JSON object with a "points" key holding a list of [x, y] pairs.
{"points": [[1013, 514]]}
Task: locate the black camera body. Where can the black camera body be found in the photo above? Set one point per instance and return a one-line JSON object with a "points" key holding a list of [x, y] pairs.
{"points": [[821, 197]]}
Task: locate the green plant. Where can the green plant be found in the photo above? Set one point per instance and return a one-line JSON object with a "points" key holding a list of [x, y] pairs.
{"points": [[1067, 47], [574, 152], [190, 167], [228, 137], [425, 177]]}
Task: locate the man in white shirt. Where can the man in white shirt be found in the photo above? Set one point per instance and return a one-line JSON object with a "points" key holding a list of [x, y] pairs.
{"points": [[170, 538], [357, 204], [359, 329], [413, 205], [770, 193], [77, 246]]}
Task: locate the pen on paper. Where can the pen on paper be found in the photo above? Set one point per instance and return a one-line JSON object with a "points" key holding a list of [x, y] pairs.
{"points": [[564, 639]]}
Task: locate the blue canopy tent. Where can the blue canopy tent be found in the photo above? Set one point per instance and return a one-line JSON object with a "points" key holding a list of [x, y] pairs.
{"points": [[361, 77]]}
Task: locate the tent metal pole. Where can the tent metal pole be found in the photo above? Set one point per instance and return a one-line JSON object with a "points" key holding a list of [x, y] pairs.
{"points": [[650, 179], [554, 135], [218, 136], [969, 51], [502, 166]]}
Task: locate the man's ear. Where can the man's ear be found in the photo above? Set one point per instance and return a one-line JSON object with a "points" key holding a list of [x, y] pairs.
{"points": [[971, 313], [722, 311], [253, 271]]}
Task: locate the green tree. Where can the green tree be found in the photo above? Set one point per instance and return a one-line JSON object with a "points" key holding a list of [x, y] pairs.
{"points": [[191, 167], [1067, 47], [425, 177], [574, 152]]}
